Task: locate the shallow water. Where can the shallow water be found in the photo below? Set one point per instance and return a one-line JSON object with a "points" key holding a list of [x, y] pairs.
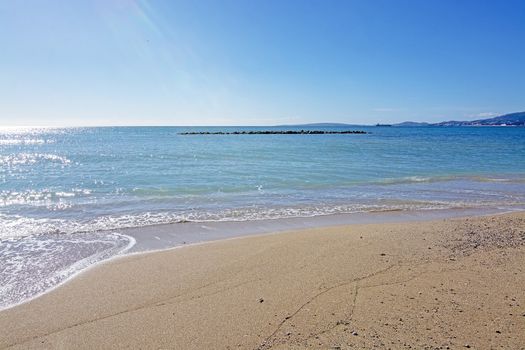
{"points": [[83, 179]]}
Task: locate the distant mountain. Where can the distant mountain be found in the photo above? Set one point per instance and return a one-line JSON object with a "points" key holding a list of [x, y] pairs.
{"points": [[512, 119], [412, 124], [320, 125]]}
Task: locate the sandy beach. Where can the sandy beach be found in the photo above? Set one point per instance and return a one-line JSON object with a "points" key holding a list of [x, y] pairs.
{"points": [[262, 175], [445, 284]]}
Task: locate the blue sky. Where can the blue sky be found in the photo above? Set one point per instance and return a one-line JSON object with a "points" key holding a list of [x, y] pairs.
{"points": [[247, 62]]}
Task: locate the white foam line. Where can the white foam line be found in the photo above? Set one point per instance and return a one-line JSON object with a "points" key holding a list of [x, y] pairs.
{"points": [[78, 267], [283, 231]]}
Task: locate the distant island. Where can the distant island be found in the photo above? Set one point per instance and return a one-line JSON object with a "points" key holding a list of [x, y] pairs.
{"points": [[318, 125], [412, 124]]}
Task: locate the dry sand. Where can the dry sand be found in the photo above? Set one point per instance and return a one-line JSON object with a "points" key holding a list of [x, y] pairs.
{"points": [[457, 283]]}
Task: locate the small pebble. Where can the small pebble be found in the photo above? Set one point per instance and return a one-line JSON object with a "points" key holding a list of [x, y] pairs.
{"points": [[354, 333]]}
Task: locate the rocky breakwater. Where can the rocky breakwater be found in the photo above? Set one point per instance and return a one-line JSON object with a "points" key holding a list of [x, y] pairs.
{"points": [[274, 132]]}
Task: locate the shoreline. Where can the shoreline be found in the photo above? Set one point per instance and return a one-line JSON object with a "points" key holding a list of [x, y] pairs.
{"points": [[275, 240], [164, 236], [145, 240]]}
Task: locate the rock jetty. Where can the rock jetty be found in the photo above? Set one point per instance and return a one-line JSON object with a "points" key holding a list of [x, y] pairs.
{"points": [[274, 132]]}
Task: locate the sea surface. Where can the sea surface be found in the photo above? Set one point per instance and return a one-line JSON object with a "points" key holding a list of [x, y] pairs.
{"points": [[68, 195]]}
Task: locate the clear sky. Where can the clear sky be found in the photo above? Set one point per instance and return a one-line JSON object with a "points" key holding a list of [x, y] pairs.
{"points": [[259, 62]]}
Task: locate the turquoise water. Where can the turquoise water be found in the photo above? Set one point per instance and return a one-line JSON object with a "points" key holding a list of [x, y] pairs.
{"points": [[83, 179], [61, 190]]}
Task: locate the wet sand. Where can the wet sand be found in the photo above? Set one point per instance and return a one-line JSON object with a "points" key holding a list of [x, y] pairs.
{"points": [[456, 283]]}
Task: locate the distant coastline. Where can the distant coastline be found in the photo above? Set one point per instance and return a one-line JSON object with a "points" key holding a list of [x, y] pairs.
{"points": [[511, 119]]}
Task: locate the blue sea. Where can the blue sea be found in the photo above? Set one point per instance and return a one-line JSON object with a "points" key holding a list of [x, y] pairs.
{"points": [[68, 195]]}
